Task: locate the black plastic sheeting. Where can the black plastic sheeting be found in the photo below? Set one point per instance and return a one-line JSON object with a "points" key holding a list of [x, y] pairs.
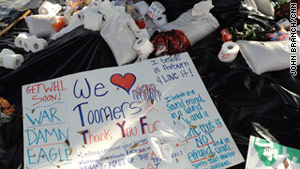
{"points": [[174, 8], [266, 106], [78, 51]]}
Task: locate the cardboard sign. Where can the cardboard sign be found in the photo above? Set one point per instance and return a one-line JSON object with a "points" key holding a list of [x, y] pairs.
{"points": [[264, 154], [150, 115]]}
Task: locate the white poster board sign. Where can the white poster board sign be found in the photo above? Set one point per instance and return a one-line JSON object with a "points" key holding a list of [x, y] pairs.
{"points": [[149, 115], [263, 154]]}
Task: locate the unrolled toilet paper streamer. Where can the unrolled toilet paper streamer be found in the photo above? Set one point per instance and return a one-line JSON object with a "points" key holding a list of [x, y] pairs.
{"points": [[160, 20], [20, 39], [93, 21], [141, 8], [47, 8], [37, 44], [228, 51], [155, 9], [67, 14], [143, 48]]}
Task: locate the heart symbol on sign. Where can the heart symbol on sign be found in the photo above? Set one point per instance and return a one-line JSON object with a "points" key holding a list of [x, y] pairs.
{"points": [[125, 82]]}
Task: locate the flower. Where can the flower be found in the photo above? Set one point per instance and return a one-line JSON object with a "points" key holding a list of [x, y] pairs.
{"points": [[140, 23], [226, 36], [72, 4], [6, 111], [4, 104], [5, 107], [9, 111], [224, 31]]}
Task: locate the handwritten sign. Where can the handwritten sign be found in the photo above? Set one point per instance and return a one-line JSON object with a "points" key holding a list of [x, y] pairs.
{"points": [[263, 154], [104, 118]]}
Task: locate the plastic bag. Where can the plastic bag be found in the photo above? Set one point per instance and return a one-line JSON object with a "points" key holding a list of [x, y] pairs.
{"points": [[196, 23], [7, 6], [266, 56], [166, 138], [265, 6], [230, 12], [119, 33], [40, 25]]}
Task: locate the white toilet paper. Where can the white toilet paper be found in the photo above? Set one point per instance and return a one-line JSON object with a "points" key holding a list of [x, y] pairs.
{"points": [[6, 52], [160, 20], [12, 61], [93, 21], [142, 32], [228, 51], [20, 39], [141, 8], [155, 9], [47, 8], [143, 48], [28, 42], [3, 53], [38, 44]]}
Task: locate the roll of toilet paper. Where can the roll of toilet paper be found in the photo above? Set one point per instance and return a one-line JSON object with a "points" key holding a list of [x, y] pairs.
{"points": [[13, 61], [143, 47], [93, 21], [38, 44], [28, 42], [155, 9], [142, 32], [228, 51], [160, 20], [6, 52], [20, 39], [47, 8], [141, 8], [3, 53]]}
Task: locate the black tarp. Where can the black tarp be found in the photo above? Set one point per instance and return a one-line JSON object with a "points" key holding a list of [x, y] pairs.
{"points": [[266, 105]]}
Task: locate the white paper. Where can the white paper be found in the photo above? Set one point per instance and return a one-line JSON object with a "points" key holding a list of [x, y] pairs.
{"points": [[107, 115]]}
